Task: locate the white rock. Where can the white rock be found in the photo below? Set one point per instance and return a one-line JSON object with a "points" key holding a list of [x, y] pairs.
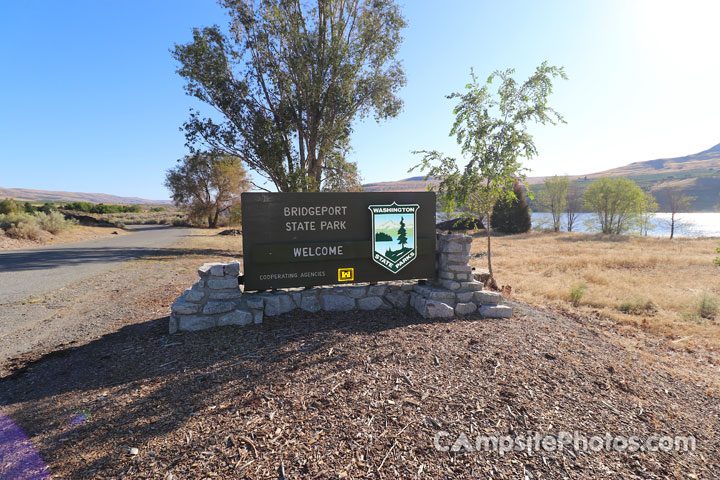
{"points": [[369, 303], [194, 323], [310, 303], [234, 295], [452, 247], [445, 275], [337, 303], [218, 307], [254, 301], [133, 451], [204, 271], [464, 296], [398, 298], [272, 305], [376, 290], [496, 311], [471, 286], [217, 270], [238, 317], [232, 269], [193, 295], [460, 268], [185, 307], [465, 308], [354, 292], [286, 303], [450, 284], [222, 283], [441, 294], [487, 298], [173, 324], [435, 309]]}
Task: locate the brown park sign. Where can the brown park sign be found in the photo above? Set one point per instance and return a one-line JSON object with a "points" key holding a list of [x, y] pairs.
{"points": [[306, 239]]}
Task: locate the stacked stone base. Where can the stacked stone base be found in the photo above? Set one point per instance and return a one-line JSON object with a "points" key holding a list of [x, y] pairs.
{"points": [[217, 300]]}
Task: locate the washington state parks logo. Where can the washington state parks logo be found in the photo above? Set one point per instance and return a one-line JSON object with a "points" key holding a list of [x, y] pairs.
{"points": [[394, 239]]}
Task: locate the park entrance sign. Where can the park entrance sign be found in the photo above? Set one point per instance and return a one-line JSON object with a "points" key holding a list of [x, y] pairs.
{"points": [[307, 239]]}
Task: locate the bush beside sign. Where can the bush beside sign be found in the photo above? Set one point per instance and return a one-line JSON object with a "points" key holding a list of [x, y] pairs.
{"points": [[307, 239]]}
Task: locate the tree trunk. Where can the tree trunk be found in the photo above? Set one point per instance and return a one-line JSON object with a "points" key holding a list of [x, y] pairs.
{"points": [[210, 221], [672, 225], [215, 218], [487, 229]]}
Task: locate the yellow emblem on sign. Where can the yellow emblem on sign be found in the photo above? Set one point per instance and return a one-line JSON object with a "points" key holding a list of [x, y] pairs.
{"points": [[346, 274]]}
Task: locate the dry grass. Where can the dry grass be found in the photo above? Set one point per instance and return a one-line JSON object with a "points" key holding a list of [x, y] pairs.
{"points": [[76, 233], [654, 283], [203, 239]]}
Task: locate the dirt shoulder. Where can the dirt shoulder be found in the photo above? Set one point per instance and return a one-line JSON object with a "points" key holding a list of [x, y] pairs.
{"points": [[360, 395], [78, 233]]}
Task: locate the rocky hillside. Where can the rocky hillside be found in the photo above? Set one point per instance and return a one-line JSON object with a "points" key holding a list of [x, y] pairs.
{"points": [[29, 195], [696, 175]]}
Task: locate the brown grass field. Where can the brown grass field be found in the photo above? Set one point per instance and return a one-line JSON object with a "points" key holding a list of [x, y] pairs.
{"points": [[659, 283]]}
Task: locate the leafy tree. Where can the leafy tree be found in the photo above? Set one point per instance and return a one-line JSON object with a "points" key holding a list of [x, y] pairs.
{"points": [[554, 198], [677, 202], [616, 203], [511, 216], [647, 213], [491, 129], [402, 234], [573, 205], [207, 184], [289, 81]]}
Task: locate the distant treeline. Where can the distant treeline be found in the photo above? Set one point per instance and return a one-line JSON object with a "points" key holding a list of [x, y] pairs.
{"points": [[102, 208]]}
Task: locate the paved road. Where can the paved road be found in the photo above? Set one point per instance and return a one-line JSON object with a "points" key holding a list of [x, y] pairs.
{"points": [[29, 273]]}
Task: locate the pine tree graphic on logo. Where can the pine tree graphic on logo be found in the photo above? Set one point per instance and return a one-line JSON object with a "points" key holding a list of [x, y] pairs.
{"points": [[394, 235]]}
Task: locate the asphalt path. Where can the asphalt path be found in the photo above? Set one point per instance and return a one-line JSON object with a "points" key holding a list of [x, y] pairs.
{"points": [[30, 273]]}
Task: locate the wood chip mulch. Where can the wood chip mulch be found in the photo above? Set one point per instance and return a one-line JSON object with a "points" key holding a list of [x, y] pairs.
{"points": [[363, 395]]}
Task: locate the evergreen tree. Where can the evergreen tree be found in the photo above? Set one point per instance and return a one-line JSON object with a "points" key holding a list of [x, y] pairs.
{"points": [[402, 234], [511, 216]]}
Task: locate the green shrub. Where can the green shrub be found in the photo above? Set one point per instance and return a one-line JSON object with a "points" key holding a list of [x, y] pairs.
{"points": [[8, 206], [638, 306], [707, 306], [28, 230], [53, 222], [717, 259], [10, 220], [157, 209], [577, 292], [512, 217]]}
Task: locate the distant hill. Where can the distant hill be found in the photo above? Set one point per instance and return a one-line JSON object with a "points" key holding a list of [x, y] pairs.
{"points": [[696, 175], [26, 194]]}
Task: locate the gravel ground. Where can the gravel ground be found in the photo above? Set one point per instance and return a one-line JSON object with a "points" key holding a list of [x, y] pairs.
{"points": [[360, 395], [352, 395]]}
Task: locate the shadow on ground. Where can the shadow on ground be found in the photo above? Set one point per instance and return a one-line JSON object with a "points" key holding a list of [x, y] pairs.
{"points": [[42, 259], [169, 378]]}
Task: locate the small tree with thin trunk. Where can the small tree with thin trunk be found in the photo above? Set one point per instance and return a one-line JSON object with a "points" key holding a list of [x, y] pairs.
{"points": [[208, 184], [554, 198], [647, 213], [573, 205], [677, 202], [491, 129]]}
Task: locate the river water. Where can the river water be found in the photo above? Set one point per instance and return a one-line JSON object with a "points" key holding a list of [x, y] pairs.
{"points": [[686, 224]]}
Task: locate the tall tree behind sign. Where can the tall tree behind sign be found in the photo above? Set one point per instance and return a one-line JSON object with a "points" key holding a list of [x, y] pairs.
{"points": [[289, 81]]}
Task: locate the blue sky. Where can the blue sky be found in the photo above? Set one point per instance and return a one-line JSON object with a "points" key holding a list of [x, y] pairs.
{"points": [[90, 101]]}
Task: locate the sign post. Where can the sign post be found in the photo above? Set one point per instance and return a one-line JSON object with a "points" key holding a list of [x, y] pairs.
{"points": [[308, 239]]}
